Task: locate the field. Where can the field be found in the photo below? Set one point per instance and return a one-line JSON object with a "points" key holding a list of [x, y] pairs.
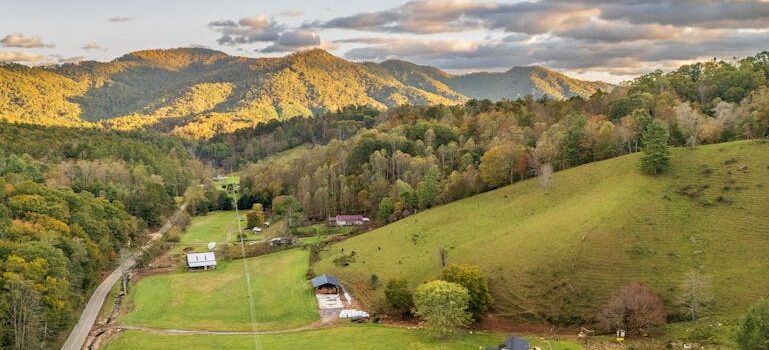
{"points": [[370, 337], [211, 227], [558, 255], [218, 299]]}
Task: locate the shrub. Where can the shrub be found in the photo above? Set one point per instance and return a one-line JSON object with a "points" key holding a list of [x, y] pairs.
{"points": [[472, 278], [399, 296], [442, 306], [754, 331]]}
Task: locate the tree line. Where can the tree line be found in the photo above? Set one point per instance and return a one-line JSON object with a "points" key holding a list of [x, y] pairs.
{"points": [[411, 158]]}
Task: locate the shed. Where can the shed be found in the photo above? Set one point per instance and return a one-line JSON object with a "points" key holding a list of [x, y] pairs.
{"points": [[512, 343], [326, 284], [201, 261]]}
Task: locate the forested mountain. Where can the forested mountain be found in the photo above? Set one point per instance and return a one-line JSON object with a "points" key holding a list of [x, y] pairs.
{"points": [[198, 92], [391, 164]]}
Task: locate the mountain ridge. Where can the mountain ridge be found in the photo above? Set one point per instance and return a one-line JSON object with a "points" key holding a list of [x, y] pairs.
{"points": [[205, 90]]}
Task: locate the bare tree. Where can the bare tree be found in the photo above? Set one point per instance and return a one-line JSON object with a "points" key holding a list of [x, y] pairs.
{"points": [[695, 299], [635, 308], [546, 176]]}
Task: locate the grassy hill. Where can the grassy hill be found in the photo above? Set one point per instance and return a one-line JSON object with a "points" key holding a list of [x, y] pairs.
{"points": [[200, 91], [559, 255]]}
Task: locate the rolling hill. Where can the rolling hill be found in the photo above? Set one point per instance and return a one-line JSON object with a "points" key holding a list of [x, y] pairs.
{"points": [[558, 255], [199, 91]]}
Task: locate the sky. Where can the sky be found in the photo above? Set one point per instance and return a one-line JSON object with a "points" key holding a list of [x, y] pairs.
{"points": [[589, 39]]}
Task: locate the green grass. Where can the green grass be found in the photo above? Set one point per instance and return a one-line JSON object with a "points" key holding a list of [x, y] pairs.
{"points": [[287, 155], [109, 302], [560, 255], [370, 337], [218, 300], [322, 230], [211, 227]]}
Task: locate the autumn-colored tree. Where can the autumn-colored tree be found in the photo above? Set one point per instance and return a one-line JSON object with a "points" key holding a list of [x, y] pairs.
{"points": [[255, 216], [503, 164], [474, 279]]}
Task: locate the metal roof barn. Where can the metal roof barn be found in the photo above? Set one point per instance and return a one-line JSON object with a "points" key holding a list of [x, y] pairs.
{"points": [[323, 280], [201, 260]]}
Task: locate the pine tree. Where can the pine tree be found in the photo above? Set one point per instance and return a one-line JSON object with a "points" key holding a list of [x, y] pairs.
{"points": [[656, 158]]}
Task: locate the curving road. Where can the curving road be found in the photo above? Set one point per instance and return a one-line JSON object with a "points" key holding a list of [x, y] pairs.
{"points": [[79, 333]]}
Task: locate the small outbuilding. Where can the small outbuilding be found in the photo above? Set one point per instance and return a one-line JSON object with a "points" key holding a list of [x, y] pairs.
{"points": [[326, 284], [201, 261], [512, 343]]}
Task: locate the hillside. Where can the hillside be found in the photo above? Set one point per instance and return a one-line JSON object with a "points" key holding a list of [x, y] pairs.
{"points": [[196, 92], [558, 255]]}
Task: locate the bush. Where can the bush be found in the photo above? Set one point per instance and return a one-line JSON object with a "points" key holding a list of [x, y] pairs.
{"points": [[442, 306], [472, 278], [399, 296], [754, 332], [635, 308]]}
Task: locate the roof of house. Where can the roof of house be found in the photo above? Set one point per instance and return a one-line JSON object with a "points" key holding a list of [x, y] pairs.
{"points": [[349, 218], [201, 259], [516, 343], [325, 279]]}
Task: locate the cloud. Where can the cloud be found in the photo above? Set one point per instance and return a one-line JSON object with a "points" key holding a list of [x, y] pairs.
{"points": [[93, 46], [19, 40], [292, 13], [64, 60], [294, 40], [25, 57], [120, 19], [438, 16], [247, 30]]}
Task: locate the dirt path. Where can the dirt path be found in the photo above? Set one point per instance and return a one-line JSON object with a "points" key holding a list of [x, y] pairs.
{"points": [[80, 332], [317, 325]]}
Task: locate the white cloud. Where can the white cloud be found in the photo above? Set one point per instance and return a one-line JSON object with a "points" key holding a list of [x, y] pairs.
{"points": [[19, 40]]}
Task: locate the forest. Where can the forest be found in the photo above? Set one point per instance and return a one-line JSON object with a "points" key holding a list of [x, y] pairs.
{"points": [[70, 201], [411, 158]]}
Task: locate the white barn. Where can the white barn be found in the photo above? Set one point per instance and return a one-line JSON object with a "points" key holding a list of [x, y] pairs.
{"points": [[201, 261]]}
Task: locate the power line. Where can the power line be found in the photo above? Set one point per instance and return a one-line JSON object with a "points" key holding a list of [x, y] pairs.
{"points": [[252, 311]]}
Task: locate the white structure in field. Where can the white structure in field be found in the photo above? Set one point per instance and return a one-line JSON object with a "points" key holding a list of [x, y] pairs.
{"points": [[201, 261]]}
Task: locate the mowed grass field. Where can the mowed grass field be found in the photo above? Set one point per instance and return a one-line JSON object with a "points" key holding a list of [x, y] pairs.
{"points": [[218, 299], [369, 337], [211, 227], [558, 255]]}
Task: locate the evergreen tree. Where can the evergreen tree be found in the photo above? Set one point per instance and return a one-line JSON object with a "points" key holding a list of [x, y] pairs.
{"points": [[754, 332], [656, 158]]}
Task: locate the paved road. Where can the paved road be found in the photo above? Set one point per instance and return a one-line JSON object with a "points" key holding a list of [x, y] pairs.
{"points": [[79, 334]]}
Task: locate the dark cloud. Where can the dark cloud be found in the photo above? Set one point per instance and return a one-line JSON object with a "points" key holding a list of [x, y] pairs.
{"points": [[19, 40], [437, 16], [247, 30], [293, 40]]}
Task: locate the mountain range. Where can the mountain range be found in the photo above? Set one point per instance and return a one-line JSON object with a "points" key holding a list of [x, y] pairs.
{"points": [[198, 92]]}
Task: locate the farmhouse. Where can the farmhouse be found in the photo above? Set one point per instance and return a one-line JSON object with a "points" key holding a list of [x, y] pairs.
{"points": [[348, 220], [201, 261]]}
